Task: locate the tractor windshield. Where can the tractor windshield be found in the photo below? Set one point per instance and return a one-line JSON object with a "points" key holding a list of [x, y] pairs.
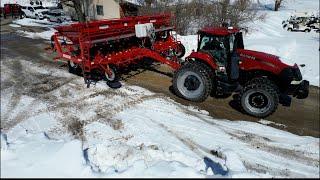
{"points": [[216, 46], [220, 47]]}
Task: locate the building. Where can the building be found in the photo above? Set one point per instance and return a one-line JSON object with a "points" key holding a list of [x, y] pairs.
{"points": [[107, 9]]}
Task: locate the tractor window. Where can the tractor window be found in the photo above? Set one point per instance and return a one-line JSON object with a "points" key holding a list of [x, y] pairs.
{"points": [[204, 42], [216, 46], [231, 42], [212, 43]]}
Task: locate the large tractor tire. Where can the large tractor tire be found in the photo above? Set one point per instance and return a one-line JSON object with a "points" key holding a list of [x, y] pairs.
{"points": [[192, 82], [74, 68], [259, 97]]}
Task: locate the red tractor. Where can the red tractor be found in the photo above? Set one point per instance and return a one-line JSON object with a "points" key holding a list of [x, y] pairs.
{"points": [[221, 65]]}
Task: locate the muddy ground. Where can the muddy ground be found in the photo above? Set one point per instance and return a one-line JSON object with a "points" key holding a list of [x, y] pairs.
{"points": [[301, 118]]}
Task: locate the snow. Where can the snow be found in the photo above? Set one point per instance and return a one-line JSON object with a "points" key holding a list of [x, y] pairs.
{"points": [[292, 47], [133, 2], [38, 23], [266, 122], [57, 127], [14, 25], [49, 26], [38, 35], [72, 131], [32, 22]]}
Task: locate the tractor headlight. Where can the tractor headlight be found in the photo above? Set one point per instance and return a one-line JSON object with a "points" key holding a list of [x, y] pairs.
{"points": [[222, 69]]}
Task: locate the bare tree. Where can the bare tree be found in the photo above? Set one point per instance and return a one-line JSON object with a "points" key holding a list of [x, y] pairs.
{"points": [[193, 15], [77, 5], [277, 5]]}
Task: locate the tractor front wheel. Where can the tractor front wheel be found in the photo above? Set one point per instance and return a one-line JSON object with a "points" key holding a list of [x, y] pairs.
{"points": [[259, 97], [192, 82]]}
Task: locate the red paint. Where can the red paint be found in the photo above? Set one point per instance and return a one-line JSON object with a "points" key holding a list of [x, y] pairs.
{"points": [[254, 60], [219, 31], [200, 56], [85, 35]]}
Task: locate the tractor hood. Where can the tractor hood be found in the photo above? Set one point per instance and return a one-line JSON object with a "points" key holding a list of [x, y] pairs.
{"points": [[257, 55], [264, 58]]}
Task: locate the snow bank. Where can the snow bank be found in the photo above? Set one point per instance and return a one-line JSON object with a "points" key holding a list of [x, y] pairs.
{"points": [[74, 131], [57, 127], [292, 47], [32, 22], [38, 35], [14, 25]]}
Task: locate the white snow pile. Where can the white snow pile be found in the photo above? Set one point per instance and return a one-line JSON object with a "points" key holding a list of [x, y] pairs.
{"points": [[38, 23], [14, 25], [269, 36], [56, 127], [38, 35], [33, 22], [266, 122]]}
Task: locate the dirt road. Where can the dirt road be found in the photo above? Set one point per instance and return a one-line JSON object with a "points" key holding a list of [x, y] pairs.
{"points": [[301, 118]]}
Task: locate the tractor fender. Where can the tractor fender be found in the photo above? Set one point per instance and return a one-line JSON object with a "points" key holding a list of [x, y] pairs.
{"points": [[203, 57]]}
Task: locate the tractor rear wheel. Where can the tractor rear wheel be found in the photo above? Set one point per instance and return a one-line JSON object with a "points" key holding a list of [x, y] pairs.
{"points": [[259, 97], [74, 68], [192, 82]]}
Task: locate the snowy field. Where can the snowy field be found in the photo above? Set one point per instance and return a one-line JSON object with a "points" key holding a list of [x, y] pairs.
{"points": [[57, 127], [53, 126]]}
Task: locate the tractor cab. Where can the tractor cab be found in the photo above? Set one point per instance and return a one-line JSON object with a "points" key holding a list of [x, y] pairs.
{"points": [[221, 44]]}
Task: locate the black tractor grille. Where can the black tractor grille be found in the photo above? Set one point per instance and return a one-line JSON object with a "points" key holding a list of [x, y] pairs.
{"points": [[290, 74], [297, 74]]}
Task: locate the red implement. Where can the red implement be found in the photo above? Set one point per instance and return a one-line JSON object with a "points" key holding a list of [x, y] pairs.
{"points": [[96, 45]]}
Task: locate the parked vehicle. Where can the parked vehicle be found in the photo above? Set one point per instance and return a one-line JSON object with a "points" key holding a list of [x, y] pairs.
{"points": [[57, 16], [314, 23], [221, 65], [302, 26], [37, 12], [13, 10], [297, 22]]}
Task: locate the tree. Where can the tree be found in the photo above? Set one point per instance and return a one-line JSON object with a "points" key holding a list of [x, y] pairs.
{"points": [[191, 15], [77, 5], [277, 5]]}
